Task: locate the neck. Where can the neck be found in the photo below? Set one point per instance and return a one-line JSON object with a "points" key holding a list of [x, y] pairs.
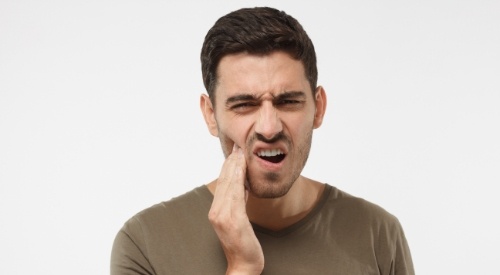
{"points": [[279, 213]]}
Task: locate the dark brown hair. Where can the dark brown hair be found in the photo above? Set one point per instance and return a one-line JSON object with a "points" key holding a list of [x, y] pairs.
{"points": [[260, 30]]}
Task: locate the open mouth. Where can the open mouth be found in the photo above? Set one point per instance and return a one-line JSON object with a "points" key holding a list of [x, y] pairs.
{"points": [[271, 155]]}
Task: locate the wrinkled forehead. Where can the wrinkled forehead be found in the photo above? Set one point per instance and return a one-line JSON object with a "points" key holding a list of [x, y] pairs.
{"points": [[272, 73]]}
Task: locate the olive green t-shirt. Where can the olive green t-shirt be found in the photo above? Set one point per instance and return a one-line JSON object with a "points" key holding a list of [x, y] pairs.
{"points": [[341, 235]]}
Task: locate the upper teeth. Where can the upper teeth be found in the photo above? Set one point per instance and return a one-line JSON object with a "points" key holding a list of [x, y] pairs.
{"points": [[269, 153]]}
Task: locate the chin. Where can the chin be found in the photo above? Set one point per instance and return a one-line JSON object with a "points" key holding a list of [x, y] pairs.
{"points": [[270, 187]]}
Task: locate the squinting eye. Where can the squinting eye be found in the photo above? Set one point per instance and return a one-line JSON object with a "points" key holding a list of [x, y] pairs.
{"points": [[287, 102], [243, 106]]}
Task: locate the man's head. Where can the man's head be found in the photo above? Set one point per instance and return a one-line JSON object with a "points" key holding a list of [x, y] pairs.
{"points": [[267, 102], [257, 31]]}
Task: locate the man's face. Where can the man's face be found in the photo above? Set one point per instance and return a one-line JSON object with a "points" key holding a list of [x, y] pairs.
{"points": [[265, 105]]}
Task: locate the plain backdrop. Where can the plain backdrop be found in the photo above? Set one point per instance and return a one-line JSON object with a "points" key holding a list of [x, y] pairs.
{"points": [[99, 119]]}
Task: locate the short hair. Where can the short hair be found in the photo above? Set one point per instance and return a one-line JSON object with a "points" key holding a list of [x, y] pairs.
{"points": [[260, 30]]}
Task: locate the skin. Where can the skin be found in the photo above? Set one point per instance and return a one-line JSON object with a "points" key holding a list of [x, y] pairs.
{"points": [[262, 102]]}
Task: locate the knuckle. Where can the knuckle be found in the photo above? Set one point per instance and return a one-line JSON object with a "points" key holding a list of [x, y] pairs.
{"points": [[216, 218]]}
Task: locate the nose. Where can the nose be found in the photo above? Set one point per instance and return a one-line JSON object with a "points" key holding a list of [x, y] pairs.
{"points": [[268, 123]]}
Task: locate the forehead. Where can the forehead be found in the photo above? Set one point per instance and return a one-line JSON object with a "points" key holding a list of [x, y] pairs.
{"points": [[273, 73]]}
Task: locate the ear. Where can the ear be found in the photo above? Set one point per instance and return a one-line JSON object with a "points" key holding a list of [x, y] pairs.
{"points": [[320, 102], [209, 115]]}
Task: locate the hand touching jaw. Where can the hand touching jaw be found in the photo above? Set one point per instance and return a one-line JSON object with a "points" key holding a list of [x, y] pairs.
{"points": [[230, 221]]}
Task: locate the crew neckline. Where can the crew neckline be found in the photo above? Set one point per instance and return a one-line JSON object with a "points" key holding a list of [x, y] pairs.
{"points": [[291, 228]]}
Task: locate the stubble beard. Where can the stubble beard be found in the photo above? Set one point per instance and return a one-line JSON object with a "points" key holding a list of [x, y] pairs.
{"points": [[275, 185]]}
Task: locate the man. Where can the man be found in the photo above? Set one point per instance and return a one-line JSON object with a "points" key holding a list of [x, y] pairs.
{"points": [[261, 216]]}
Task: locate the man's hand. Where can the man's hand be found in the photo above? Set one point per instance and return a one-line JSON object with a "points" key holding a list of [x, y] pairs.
{"points": [[229, 218]]}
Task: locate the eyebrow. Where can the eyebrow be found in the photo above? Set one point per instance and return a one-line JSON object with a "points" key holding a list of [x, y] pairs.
{"points": [[237, 98], [291, 94], [250, 97]]}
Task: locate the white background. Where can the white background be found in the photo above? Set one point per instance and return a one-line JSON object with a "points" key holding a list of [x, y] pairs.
{"points": [[99, 119]]}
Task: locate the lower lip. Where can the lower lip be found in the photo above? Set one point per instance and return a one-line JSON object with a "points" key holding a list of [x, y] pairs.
{"points": [[270, 165]]}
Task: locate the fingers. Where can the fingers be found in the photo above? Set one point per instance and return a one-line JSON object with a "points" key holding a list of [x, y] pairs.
{"points": [[232, 174], [229, 218], [230, 190], [229, 204]]}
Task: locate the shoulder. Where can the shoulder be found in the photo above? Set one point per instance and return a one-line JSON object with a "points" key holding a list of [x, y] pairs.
{"points": [[358, 219], [358, 210], [165, 235], [184, 207], [361, 223]]}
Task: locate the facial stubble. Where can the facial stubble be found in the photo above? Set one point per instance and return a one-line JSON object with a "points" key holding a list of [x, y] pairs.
{"points": [[274, 185]]}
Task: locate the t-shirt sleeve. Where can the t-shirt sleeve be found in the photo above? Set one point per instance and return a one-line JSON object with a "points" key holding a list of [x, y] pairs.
{"points": [[402, 262], [393, 253], [129, 253]]}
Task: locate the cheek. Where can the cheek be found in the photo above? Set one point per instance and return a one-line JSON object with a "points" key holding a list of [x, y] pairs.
{"points": [[300, 124], [227, 139], [236, 131]]}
